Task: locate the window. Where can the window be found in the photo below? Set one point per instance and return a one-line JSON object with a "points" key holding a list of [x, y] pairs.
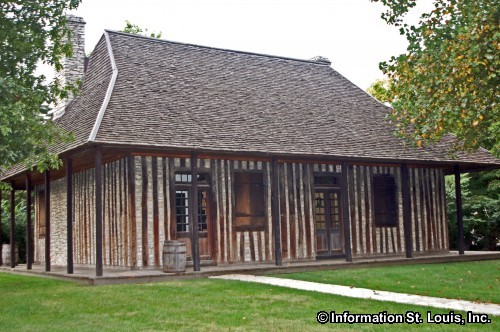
{"points": [[183, 201], [384, 195], [183, 178], [202, 210], [182, 210], [326, 181], [250, 209], [40, 197]]}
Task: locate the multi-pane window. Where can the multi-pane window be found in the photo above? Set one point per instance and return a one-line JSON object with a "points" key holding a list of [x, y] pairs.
{"points": [[182, 210], [334, 209], [183, 201], [183, 178], [202, 210], [326, 180], [320, 210], [322, 207]]}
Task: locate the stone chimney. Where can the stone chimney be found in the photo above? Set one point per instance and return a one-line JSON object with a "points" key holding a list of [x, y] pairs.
{"points": [[74, 66]]}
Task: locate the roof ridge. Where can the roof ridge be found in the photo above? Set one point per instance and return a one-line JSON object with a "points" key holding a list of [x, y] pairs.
{"points": [[219, 48]]}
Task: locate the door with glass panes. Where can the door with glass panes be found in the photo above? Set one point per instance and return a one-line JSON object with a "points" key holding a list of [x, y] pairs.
{"points": [[329, 228], [183, 202]]}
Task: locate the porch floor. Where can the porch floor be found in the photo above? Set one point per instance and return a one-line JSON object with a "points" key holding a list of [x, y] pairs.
{"points": [[114, 275]]}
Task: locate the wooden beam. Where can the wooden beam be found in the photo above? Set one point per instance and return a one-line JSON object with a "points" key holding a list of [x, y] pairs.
{"points": [[344, 192], [132, 210], [406, 197], [144, 212], [156, 213], [173, 215], [195, 250], [276, 212], [98, 212], [12, 227], [47, 220], [166, 204], [69, 214], [29, 255], [460, 220]]}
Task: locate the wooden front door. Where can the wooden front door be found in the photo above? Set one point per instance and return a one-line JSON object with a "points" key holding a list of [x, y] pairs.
{"points": [[329, 226], [183, 199]]}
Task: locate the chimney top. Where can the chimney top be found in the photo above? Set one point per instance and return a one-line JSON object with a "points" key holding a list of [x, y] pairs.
{"points": [[75, 19], [322, 59]]}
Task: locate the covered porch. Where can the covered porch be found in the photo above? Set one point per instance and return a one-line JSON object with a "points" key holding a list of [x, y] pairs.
{"points": [[86, 274], [311, 208]]}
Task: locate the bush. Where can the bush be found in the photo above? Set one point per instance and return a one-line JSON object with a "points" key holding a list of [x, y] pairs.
{"points": [[481, 210], [20, 215]]}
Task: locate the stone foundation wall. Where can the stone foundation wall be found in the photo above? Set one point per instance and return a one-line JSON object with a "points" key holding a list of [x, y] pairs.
{"points": [[58, 243]]}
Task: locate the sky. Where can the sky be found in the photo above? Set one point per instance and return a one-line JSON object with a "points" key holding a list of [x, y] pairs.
{"points": [[348, 32]]}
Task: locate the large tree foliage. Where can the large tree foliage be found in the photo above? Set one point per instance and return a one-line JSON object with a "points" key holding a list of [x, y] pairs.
{"points": [[31, 32], [447, 81], [481, 211], [380, 90]]}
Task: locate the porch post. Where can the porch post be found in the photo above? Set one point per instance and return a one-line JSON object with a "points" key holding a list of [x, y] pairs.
{"points": [[98, 212], [29, 257], [47, 220], [194, 212], [173, 216], [276, 212], [12, 227], [460, 220], [345, 212], [405, 191], [69, 214], [144, 212], [132, 240]]}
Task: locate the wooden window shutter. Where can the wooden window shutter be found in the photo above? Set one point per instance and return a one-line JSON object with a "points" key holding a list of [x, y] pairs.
{"points": [[385, 204], [249, 200], [41, 213]]}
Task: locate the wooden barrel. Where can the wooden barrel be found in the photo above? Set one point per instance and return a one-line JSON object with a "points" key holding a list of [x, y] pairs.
{"points": [[6, 255], [174, 256]]}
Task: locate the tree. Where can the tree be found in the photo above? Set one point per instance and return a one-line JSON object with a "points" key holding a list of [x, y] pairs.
{"points": [[380, 90], [20, 227], [447, 81], [481, 211], [136, 30], [32, 32]]}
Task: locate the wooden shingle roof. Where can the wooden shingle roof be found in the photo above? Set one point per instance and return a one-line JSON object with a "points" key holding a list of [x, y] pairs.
{"points": [[176, 95], [187, 96]]}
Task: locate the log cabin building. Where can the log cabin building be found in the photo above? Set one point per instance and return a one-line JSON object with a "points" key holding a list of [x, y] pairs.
{"points": [[246, 157]]}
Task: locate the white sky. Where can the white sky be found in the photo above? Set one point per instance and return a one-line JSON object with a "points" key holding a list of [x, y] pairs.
{"points": [[348, 32]]}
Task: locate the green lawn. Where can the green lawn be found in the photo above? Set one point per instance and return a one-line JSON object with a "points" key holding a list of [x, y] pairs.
{"points": [[37, 304], [473, 281]]}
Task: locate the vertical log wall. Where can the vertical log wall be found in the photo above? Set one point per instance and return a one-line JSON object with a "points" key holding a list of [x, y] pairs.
{"points": [[428, 212], [116, 219], [296, 198], [138, 212]]}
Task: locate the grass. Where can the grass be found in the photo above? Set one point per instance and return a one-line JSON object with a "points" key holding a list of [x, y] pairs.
{"points": [[37, 304], [473, 281]]}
